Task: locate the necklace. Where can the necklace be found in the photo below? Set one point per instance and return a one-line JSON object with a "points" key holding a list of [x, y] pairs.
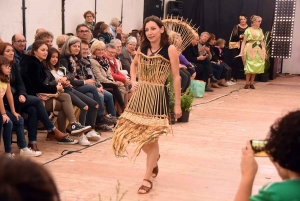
{"points": [[153, 53]]}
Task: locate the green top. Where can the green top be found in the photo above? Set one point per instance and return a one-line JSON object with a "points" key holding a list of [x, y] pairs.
{"points": [[288, 190], [254, 34]]}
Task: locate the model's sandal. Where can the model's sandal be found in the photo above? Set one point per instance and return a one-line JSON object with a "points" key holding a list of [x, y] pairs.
{"points": [[145, 188], [155, 170]]}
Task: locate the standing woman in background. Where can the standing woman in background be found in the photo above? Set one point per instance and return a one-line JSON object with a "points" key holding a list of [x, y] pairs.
{"points": [[235, 41], [253, 51]]}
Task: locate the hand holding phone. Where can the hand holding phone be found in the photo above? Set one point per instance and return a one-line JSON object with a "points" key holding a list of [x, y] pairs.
{"points": [[258, 146]]}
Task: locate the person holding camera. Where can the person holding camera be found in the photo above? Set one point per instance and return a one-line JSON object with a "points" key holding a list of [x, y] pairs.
{"points": [[283, 148]]}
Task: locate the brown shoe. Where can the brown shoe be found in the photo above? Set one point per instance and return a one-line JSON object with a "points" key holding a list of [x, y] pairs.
{"points": [[215, 85], [33, 147], [252, 86], [145, 188], [59, 135], [246, 86]]}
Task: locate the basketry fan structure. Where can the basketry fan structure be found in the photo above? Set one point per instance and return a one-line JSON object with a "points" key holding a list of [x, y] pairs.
{"points": [[183, 28], [146, 115]]}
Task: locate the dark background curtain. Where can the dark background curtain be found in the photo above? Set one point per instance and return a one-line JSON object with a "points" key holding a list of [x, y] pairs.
{"points": [[219, 16]]}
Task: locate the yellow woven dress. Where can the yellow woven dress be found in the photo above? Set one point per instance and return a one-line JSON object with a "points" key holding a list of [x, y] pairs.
{"points": [[146, 116]]}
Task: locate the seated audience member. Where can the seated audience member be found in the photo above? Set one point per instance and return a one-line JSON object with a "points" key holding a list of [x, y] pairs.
{"points": [[36, 32], [105, 36], [38, 79], [24, 180], [216, 63], [28, 104], [128, 53], [60, 41], [96, 31], [123, 39], [45, 36], [118, 44], [203, 65], [71, 59], [110, 55], [89, 17], [204, 49], [83, 102], [83, 32], [101, 70], [19, 44], [106, 97], [283, 148], [10, 117], [135, 33], [186, 72], [218, 49], [115, 28], [69, 34]]}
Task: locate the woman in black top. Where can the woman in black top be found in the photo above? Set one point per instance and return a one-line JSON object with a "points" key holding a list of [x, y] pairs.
{"points": [[237, 35]]}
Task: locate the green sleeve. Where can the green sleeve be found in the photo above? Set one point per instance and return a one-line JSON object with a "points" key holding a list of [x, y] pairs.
{"points": [[264, 194]]}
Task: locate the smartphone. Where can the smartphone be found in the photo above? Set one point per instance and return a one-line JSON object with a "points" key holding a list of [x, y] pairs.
{"points": [[258, 146]]}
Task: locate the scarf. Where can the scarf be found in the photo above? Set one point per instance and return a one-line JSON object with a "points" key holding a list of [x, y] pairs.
{"points": [[113, 63], [91, 26], [74, 64], [104, 63]]}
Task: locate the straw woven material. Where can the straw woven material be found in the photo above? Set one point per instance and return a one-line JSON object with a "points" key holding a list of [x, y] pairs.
{"points": [[146, 115]]}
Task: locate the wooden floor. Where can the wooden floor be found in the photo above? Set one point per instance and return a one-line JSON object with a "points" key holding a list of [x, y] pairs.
{"points": [[199, 162]]}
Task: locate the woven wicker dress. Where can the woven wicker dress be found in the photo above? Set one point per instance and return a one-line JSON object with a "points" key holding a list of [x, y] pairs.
{"points": [[146, 115]]}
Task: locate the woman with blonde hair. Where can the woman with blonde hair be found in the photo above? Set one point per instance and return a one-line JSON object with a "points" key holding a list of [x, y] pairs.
{"points": [[253, 51]]}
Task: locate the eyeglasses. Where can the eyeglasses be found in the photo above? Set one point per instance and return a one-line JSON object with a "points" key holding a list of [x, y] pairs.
{"points": [[85, 49], [83, 31], [111, 52], [21, 41], [89, 16]]}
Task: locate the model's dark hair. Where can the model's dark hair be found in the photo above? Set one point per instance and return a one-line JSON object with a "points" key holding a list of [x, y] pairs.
{"points": [[35, 46], [164, 36], [4, 78], [283, 142], [22, 179], [51, 51], [2, 49]]}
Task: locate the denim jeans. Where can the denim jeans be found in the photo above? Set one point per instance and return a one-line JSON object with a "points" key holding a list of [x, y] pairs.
{"points": [[109, 103], [7, 132], [91, 91], [33, 106], [218, 71]]}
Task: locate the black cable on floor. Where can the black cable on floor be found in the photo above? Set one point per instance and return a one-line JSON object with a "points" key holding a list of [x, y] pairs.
{"points": [[66, 152]]}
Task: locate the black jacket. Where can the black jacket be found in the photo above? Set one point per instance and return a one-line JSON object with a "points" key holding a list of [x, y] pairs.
{"points": [[105, 37], [35, 76], [16, 83], [191, 53], [65, 62]]}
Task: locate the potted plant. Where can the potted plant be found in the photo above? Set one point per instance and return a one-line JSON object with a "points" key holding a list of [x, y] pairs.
{"points": [[264, 77], [186, 101], [171, 99]]}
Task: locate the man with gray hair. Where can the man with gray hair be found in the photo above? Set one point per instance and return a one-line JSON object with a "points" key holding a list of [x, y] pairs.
{"points": [[128, 53], [18, 41]]}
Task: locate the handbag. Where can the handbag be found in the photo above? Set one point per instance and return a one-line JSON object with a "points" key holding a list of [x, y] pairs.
{"points": [[197, 88], [234, 45]]}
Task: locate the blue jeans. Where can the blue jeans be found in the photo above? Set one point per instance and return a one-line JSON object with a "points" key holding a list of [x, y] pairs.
{"points": [[91, 91], [109, 103], [217, 70], [7, 132], [33, 106]]}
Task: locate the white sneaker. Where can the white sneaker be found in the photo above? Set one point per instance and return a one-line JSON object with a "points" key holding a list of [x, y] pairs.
{"points": [[93, 136], [232, 83], [10, 155], [29, 152], [82, 139], [228, 83]]}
